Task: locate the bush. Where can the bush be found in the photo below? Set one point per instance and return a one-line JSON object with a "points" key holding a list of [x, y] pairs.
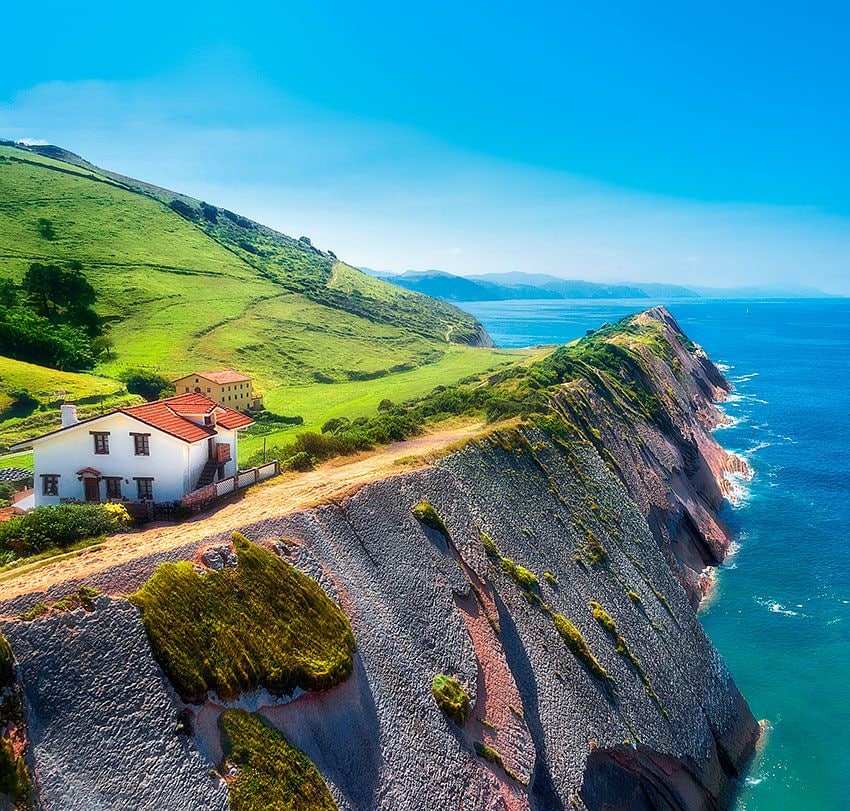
{"points": [[301, 462], [147, 383], [270, 416], [451, 698], [60, 526]]}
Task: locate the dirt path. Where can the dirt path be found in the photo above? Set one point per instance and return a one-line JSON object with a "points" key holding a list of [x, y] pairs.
{"points": [[331, 480]]}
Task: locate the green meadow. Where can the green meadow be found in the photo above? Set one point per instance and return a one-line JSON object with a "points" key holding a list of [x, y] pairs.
{"points": [[185, 286]]}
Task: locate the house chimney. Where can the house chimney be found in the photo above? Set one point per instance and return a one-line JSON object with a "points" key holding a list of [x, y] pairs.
{"points": [[69, 414]]}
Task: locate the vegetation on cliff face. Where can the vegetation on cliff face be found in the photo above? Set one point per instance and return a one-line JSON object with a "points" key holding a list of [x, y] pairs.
{"points": [[426, 513], [610, 627], [259, 623], [270, 773], [576, 642], [451, 698], [15, 786]]}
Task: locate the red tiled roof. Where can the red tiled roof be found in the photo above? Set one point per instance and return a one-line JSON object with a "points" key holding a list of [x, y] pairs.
{"points": [[223, 376], [172, 416]]}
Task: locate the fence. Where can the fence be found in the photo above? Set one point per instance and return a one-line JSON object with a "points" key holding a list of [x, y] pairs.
{"points": [[201, 499]]}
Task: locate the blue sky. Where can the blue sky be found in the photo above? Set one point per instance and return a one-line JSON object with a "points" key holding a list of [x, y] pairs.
{"points": [[666, 141]]}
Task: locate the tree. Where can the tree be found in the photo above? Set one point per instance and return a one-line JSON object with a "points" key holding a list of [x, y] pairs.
{"points": [[9, 293], [62, 296], [149, 384]]}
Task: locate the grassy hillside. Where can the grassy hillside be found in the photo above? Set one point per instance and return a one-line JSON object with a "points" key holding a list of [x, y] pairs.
{"points": [[185, 285], [22, 417]]}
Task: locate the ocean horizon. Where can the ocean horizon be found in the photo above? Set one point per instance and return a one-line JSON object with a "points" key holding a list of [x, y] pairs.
{"points": [[780, 610]]}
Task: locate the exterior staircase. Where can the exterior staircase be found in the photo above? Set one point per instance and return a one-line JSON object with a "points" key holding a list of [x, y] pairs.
{"points": [[207, 474]]}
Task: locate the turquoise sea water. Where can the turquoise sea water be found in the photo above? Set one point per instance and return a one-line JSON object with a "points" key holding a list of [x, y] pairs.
{"points": [[781, 612]]}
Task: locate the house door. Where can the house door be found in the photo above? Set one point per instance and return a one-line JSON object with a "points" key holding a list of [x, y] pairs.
{"points": [[92, 489]]}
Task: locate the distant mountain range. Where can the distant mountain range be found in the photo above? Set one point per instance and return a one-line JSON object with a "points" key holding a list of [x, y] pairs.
{"points": [[518, 285]]}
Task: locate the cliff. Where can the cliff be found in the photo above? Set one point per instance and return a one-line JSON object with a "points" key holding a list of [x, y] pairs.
{"points": [[550, 567]]}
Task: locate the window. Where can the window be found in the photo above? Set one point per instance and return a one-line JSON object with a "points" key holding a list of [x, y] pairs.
{"points": [[113, 487], [142, 444], [208, 389], [145, 489], [101, 442], [187, 388], [50, 484]]}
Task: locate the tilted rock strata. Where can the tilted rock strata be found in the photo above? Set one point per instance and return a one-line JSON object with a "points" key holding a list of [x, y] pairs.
{"points": [[670, 730]]}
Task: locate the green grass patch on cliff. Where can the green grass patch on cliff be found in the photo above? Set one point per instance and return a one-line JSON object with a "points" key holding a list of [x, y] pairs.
{"points": [[610, 627], [270, 773], [451, 698], [260, 623], [577, 644], [426, 514]]}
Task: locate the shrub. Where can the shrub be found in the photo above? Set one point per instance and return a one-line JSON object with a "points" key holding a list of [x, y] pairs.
{"points": [[147, 383], [451, 698], [260, 623], [301, 461], [60, 526], [82, 597], [270, 772], [551, 579], [270, 416]]}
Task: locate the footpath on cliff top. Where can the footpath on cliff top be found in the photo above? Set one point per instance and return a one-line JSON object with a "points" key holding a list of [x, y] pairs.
{"points": [[334, 479]]}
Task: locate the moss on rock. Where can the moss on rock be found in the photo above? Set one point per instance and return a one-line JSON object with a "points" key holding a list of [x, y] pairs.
{"points": [[270, 773], [425, 512], [15, 786], [260, 623], [451, 698], [576, 642]]}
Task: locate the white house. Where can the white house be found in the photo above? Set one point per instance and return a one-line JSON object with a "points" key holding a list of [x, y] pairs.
{"points": [[157, 451]]}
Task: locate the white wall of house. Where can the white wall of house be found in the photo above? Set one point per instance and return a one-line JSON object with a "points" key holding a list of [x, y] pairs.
{"points": [[69, 451], [174, 465]]}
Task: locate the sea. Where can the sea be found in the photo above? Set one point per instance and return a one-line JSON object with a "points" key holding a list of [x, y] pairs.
{"points": [[780, 614]]}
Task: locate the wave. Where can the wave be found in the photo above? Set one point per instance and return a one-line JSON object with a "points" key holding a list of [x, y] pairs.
{"points": [[738, 489], [744, 378], [757, 447], [776, 607]]}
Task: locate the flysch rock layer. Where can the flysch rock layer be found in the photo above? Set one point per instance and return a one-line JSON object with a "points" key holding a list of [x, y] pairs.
{"points": [[674, 732]]}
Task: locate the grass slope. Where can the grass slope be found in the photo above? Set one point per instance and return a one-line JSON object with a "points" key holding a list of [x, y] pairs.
{"points": [[187, 291], [207, 288], [48, 388]]}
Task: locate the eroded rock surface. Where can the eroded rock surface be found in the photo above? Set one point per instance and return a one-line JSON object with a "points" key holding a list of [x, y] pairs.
{"points": [[670, 729]]}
